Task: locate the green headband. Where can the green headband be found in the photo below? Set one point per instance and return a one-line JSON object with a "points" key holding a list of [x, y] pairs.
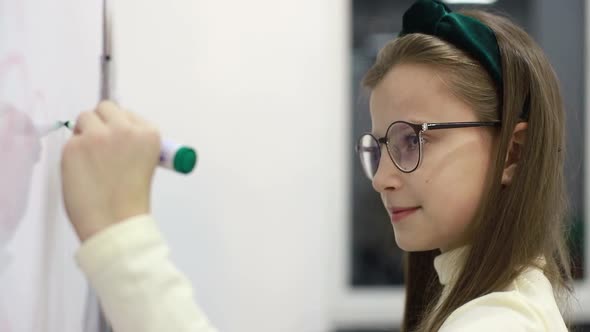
{"points": [[434, 18]]}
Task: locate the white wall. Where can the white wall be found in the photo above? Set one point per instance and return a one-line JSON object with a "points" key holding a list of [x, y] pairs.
{"points": [[260, 88]]}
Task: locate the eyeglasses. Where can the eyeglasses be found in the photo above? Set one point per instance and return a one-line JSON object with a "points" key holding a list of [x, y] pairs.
{"points": [[404, 144]]}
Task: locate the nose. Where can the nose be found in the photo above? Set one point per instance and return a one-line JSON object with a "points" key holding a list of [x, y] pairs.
{"points": [[388, 176]]}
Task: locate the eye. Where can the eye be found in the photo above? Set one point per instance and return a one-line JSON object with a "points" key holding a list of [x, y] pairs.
{"points": [[411, 141]]}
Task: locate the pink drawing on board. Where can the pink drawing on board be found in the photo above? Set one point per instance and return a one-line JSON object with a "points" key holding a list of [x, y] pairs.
{"points": [[20, 146]]}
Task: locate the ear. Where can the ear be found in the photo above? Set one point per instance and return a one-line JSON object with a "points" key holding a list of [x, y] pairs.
{"points": [[514, 152]]}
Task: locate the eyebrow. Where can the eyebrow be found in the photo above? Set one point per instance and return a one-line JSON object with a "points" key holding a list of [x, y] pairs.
{"points": [[410, 119], [417, 120]]}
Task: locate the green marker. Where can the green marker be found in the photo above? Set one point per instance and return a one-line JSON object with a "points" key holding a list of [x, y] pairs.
{"points": [[173, 156]]}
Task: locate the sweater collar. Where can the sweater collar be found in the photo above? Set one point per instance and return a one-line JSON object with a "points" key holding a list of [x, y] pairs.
{"points": [[448, 264]]}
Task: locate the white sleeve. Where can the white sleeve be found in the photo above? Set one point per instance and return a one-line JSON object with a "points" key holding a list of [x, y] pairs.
{"points": [[139, 288]]}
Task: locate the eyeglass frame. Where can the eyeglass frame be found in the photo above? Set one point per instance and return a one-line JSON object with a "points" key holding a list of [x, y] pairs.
{"points": [[419, 129]]}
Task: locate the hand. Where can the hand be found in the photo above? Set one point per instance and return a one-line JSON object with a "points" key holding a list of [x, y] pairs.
{"points": [[107, 168]]}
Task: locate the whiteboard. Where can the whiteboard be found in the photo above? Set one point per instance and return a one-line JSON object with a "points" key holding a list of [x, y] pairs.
{"points": [[260, 89], [49, 53]]}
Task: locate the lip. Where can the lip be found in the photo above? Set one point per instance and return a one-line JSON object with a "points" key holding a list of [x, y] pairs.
{"points": [[399, 213]]}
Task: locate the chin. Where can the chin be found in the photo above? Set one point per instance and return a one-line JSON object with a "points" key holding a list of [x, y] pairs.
{"points": [[411, 245]]}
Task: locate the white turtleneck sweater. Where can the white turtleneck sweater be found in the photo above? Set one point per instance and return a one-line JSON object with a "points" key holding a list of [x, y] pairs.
{"points": [[527, 304], [128, 266]]}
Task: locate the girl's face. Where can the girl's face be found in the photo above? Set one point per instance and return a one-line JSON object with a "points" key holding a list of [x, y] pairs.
{"points": [[441, 197]]}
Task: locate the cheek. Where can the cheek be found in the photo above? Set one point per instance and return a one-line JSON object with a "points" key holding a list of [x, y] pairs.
{"points": [[453, 188], [459, 187]]}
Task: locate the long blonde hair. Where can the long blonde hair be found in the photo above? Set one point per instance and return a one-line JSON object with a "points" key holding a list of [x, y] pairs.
{"points": [[514, 224]]}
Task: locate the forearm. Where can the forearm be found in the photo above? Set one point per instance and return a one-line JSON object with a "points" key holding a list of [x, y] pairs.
{"points": [[138, 286]]}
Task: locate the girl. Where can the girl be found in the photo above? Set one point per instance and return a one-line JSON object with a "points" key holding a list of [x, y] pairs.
{"points": [[467, 154], [466, 151]]}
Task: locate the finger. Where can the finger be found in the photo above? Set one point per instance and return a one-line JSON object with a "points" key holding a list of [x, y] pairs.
{"points": [[138, 120], [141, 122], [88, 122], [111, 113]]}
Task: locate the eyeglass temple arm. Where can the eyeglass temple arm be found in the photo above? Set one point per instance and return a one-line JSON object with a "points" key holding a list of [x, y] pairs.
{"points": [[447, 125]]}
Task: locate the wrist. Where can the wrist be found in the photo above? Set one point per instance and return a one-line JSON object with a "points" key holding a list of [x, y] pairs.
{"points": [[94, 224]]}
